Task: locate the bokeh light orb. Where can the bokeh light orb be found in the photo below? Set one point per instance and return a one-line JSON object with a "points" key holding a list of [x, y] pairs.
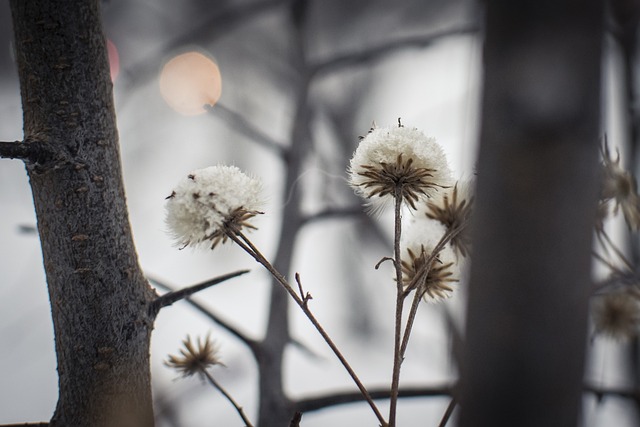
{"points": [[189, 82]]}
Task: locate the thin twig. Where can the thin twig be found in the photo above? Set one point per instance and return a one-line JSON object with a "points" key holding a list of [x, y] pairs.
{"points": [[332, 213], [295, 421], [252, 344], [299, 285], [420, 274], [375, 53], [174, 296], [384, 259], [316, 403], [397, 262], [419, 294], [305, 296], [615, 249], [410, 319], [448, 412], [221, 389], [239, 123], [607, 263], [246, 244]]}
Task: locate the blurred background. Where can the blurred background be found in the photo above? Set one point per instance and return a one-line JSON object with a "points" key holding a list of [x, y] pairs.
{"points": [[198, 83]]}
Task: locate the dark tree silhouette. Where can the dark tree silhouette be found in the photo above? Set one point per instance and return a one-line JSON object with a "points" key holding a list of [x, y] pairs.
{"points": [[536, 203]]}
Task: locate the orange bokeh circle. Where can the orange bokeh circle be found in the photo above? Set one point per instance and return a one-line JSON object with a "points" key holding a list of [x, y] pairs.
{"points": [[190, 81]]}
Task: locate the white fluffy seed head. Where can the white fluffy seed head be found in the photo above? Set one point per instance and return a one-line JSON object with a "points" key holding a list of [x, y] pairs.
{"points": [[203, 204], [398, 155]]}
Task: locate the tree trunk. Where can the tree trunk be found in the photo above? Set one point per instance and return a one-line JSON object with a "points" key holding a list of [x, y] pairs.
{"points": [[536, 203], [275, 408], [98, 294]]}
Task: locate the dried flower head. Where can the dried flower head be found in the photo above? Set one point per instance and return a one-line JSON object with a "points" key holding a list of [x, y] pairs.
{"points": [[195, 358], [212, 203], [422, 238], [620, 186], [617, 315], [398, 158], [452, 207]]}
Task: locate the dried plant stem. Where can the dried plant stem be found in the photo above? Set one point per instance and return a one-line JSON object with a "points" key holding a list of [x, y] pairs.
{"points": [[402, 338], [608, 264], [424, 272], [238, 237], [448, 412], [221, 389], [605, 241], [424, 269], [411, 318], [397, 356]]}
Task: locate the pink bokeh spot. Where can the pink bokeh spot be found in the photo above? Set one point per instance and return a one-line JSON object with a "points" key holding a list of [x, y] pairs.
{"points": [[114, 60]]}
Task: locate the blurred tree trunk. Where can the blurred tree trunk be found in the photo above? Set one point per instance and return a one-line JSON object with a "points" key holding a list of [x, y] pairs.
{"points": [[536, 201], [98, 294]]}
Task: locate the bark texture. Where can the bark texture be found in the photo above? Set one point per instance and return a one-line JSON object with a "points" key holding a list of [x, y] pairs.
{"points": [[536, 203], [98, 294]]}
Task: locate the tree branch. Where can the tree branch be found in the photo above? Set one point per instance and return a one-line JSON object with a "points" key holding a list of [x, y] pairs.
{"points": [[332, 399], [174, 296], [252, 344], [448, 412], [210, 29], [378, 52], [331, 213], [615, 281], [295, 421], [31, 151], [26, 425], [239, 123], [633, 393], [14, 150]]}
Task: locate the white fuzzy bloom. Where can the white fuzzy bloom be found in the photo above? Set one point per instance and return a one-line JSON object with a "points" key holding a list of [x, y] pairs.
{"points": [[422, 231], [398, 157], [210, 203]]}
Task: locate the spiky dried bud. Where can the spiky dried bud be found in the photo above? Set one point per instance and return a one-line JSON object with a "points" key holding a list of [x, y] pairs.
{"points": [[212, 203], [195, 358], [421, 239], [398, 158], [620, 186], [617, 315], [452, 207]]}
